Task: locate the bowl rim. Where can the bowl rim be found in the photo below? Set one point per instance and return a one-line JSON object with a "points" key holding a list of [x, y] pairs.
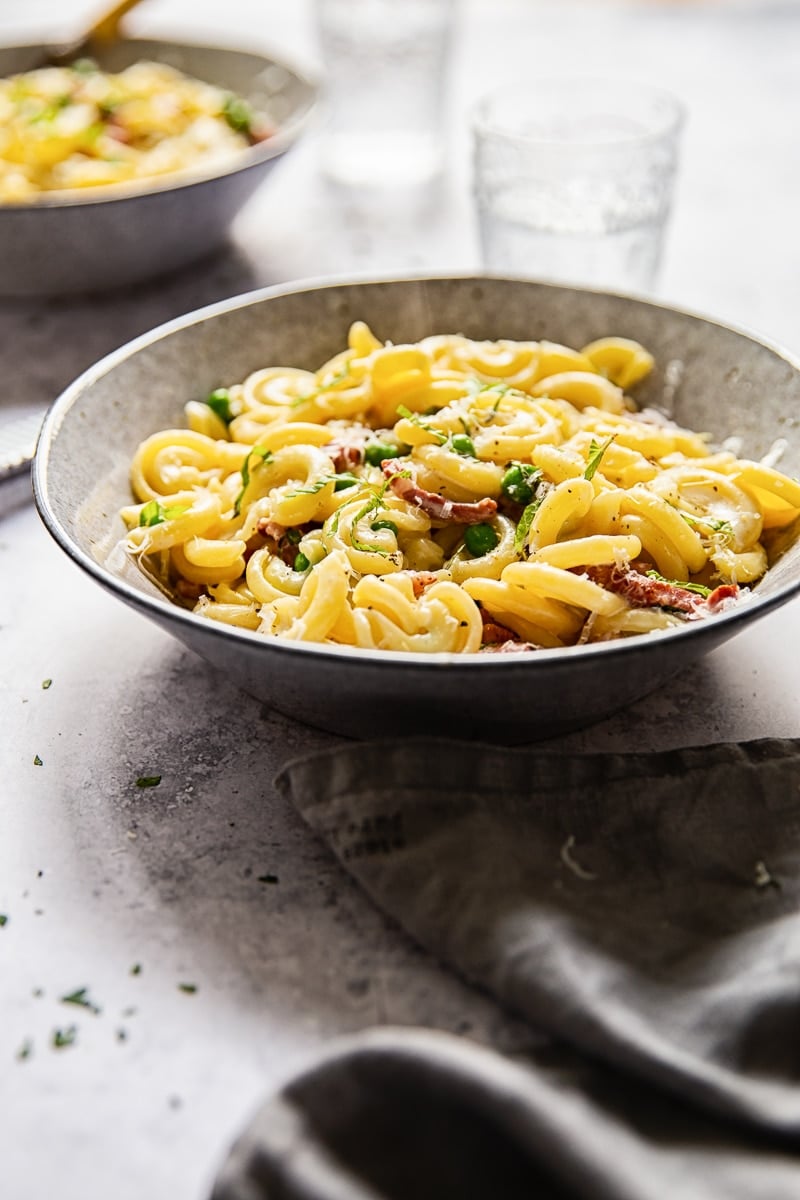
{"points": [[161, 609], [262, 152]]}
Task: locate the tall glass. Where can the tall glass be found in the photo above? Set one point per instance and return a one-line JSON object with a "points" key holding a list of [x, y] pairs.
{"points": [[386, 65], [573, 180]]}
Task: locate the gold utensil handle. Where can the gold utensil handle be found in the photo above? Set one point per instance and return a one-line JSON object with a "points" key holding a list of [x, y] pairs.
{"points": [[106, 28]]}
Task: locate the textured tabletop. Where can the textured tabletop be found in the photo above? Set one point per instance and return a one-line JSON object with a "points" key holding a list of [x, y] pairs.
{"points": [[207, 940]]}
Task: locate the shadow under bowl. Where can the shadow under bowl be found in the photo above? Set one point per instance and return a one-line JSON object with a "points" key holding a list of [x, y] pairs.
{"points": [[729, 383], [66, 243]]}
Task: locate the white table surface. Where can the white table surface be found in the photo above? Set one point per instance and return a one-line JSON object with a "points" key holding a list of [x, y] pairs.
{"points": [[97, 875]]}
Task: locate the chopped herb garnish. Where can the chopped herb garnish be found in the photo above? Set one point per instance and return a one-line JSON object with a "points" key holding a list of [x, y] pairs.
{"points": [[480, 539], [25, 1050], [372, 505], [699, 588], [220, 402], [390, 525], [80, 997], [37, 762], [264, 455], [376, 452], [524, 525], [267, 878], [148, 781], [713, 523], [596, 453], [46, 683], [519, 481], [327, 386], [64, 1037], [188, 988], [462, 443], [154, 513], [344, 481], [3, 919], [415, 419], [238, 113], [136, 969]]}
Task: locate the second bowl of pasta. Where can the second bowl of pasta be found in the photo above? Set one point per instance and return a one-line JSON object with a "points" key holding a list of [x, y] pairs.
{"points": [[472, 504]]}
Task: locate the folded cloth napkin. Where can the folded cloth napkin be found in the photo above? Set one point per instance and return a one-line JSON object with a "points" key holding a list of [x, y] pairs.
{"points": [[641, 909]]}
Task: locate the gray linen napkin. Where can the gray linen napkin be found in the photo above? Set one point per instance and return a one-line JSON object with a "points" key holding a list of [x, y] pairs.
{"points": [[640, 909]]}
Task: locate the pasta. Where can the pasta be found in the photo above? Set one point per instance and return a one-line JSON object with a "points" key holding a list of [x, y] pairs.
{"points": [[451, 496], [79, 127]]}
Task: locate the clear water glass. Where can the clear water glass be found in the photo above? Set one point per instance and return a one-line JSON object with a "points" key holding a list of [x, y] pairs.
{"points": [[574, 179], [386, 66]]}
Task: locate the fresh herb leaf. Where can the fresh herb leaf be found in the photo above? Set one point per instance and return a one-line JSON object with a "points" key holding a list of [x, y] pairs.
{"points": [[390, 525], [344, 481], [524, 525], [3, 919], [46, 683], [220, 402], [416, 419], [188, 988], [327, 386], [596, 453], [136, 969], [148, 781], [699, 588], [264, 455], [37, 762], [154, 513]]}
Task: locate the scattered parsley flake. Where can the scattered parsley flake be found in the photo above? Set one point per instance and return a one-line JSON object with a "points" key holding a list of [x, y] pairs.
{"points": [[64, 1037], [267, 878], [37, 762], [148, 781], [188, 988], [136, 969], [220, 403], [46, 683], [25, 1050], [3, 919], [81, 997], [155, 513]]}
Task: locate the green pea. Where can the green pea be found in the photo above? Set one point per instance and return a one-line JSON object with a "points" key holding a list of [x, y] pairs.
{"points": [[516, 483], [480, 539], [376, 452], [462, 443], [301, 563], [376, 525]]}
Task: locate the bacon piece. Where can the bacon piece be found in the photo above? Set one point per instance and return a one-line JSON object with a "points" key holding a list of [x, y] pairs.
{"points": [[344, 455], [270, 529], [495, 634], [642, 591], [436, 506], [189, 590], [421, 581]]}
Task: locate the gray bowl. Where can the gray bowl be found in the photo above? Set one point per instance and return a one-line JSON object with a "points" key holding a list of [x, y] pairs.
{"points": [[730, 383], [108, 238]]}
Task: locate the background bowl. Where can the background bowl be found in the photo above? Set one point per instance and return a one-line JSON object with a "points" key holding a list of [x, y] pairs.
{"points": [[727, 383], [112, 237]]}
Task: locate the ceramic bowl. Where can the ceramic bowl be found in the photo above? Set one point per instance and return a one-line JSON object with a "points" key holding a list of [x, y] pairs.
{"points": [[113, 237], [728, 383]]}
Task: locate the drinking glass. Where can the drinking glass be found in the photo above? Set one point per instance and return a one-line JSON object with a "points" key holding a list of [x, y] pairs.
{"points": [[574, 178], [386, 65]]}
